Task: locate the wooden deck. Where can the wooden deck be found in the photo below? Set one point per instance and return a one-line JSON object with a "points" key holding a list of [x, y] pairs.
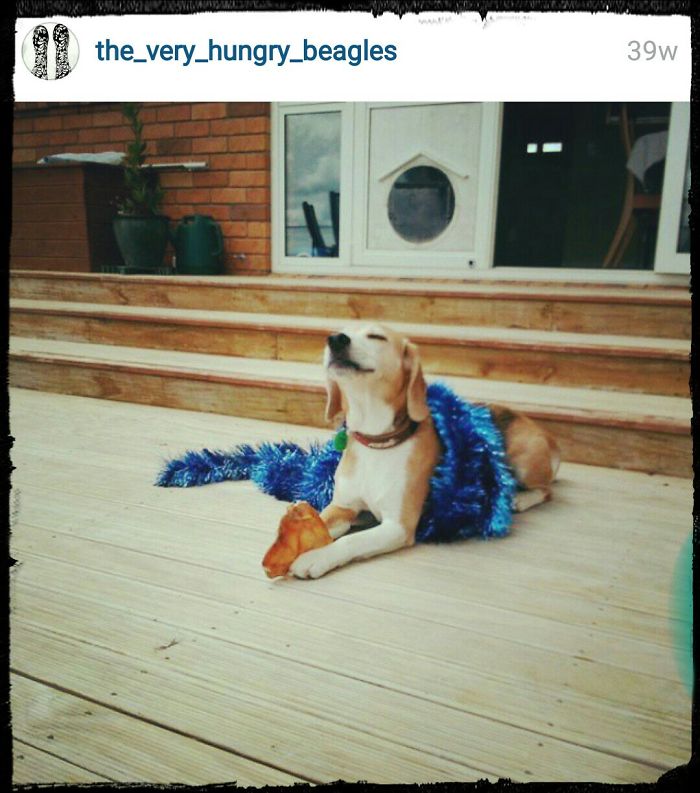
{"points": [[147, 644]]}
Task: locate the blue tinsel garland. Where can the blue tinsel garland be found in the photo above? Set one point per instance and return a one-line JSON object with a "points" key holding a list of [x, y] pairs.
{"points": [[471, 490]]}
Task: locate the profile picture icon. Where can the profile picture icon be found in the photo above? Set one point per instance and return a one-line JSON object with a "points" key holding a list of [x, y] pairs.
{"points": [[50, 51]]}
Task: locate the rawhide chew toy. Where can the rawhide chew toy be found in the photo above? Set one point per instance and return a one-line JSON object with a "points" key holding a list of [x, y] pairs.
{"points": [[301, 529]]}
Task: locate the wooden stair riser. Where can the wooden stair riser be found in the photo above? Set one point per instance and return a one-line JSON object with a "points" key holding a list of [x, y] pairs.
{"points": [[557, 314], [631, 448], [652, 375]]}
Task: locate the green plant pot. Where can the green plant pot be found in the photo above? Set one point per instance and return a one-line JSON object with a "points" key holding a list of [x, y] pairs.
{"points": [[142, 241]]}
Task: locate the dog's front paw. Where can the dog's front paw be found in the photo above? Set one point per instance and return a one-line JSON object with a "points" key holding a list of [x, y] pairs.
{"points": [[313, 564]]}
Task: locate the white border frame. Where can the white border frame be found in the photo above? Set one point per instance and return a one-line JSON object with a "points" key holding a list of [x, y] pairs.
{"points": [[666, 258]]}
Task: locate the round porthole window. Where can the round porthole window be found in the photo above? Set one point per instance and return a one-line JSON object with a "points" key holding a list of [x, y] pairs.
{"points": [[421, 203]]}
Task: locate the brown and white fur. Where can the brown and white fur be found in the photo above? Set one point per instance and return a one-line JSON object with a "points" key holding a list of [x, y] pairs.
{"points": [[374, 378]]}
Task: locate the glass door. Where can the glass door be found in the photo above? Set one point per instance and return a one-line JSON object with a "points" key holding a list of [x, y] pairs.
{"points": [[673, 242]]}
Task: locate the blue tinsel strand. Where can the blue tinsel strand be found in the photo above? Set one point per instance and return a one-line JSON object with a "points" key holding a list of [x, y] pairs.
{"points": [[471, 490]]}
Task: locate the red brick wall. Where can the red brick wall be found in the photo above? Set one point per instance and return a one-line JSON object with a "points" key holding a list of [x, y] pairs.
{"points": [[232, 137]]}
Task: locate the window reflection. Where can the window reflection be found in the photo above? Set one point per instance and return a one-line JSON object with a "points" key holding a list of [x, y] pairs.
{"points": [[684, 227], [312, 184], [421, 203]]}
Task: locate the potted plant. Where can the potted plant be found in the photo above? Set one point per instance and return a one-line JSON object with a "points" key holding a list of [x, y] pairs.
{"points": [[140, 230]]}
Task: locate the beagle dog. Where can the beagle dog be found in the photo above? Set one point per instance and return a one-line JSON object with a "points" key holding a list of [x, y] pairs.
{"points": [[375, 380]]}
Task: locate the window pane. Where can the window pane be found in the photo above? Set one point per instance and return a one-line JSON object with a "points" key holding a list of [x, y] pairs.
{"points": [[684, 228], [421, 204], [312, 184]]}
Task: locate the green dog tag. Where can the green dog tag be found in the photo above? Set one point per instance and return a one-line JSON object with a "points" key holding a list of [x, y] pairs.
{"points": [[341, 440]]}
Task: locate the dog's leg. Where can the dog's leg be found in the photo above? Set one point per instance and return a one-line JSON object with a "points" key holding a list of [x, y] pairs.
{"points": [[530, 498], [338, 519], [390, 535]]}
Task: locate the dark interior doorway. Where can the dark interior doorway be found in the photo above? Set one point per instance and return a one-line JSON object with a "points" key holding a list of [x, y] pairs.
{"points": [[566, 195]]}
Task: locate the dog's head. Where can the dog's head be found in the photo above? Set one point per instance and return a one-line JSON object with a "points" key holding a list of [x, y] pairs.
{"points": [[374, 362]]}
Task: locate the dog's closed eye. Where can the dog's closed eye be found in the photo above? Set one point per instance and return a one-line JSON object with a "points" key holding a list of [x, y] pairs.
{"points": [[377, 337]]}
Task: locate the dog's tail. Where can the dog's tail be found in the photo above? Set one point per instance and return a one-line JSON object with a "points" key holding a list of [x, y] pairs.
{"points": [[284, 470]]}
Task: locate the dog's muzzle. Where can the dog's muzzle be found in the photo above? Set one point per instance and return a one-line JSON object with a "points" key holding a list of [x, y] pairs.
{"points": [[338, 343], [339, 346]]}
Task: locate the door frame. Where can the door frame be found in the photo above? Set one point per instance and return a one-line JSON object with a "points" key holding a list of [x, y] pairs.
{"points": [[667, 259], [454, 263], [346, 264]]}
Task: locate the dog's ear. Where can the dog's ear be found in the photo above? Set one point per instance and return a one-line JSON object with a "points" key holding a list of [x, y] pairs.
{"points": [[334, 402], [416, 396]]}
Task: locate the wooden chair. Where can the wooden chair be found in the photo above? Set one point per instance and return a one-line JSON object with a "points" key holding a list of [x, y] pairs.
{"points": [[633, 201], [334, 198], [318, 244]]}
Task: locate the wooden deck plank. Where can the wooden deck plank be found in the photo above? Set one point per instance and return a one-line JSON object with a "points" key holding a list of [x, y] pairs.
{"points": [[309, 747], [579, 400], [634, 431], [338, 707], [33, 766], [104, 554], [603, 343], [122, 748], [644, 365], [504, 693], [592, 308]]}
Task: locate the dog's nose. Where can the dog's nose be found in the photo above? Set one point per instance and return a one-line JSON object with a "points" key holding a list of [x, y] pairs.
{"points": [[338, 342]]}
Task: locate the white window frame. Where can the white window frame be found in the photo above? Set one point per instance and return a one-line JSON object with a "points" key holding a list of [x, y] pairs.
{"points": [[281, 263], [667, 259], [346, 263]]}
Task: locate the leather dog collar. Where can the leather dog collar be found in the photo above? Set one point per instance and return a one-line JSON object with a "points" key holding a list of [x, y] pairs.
{"points": [[389, 439]]}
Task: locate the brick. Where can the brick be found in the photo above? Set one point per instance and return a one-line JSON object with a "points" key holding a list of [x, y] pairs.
{"points": [[228, 126], [170, 146], [194, 195], [207, 110], [23, 124], [149, 115], [249, 178], [174, 113], [120, 134], [208, 145], [62, 138], [247, 245], [234, 229], [77, 121], [155, 131], [218, 212], [112, 118], [227, 162], [257, 229], [249, 212], [47, 123], [177, 211], [93, 135], [176, 179], [210, 179], [24, 155], [192, 129], [227, 195], [258, 161], [257, 124], [248, 143], [257, 195], [28, 139], [239, 109]]}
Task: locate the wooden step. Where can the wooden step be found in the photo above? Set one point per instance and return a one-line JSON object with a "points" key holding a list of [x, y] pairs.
{"points": [[646, 365], [618, 430], [637, 311]]}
